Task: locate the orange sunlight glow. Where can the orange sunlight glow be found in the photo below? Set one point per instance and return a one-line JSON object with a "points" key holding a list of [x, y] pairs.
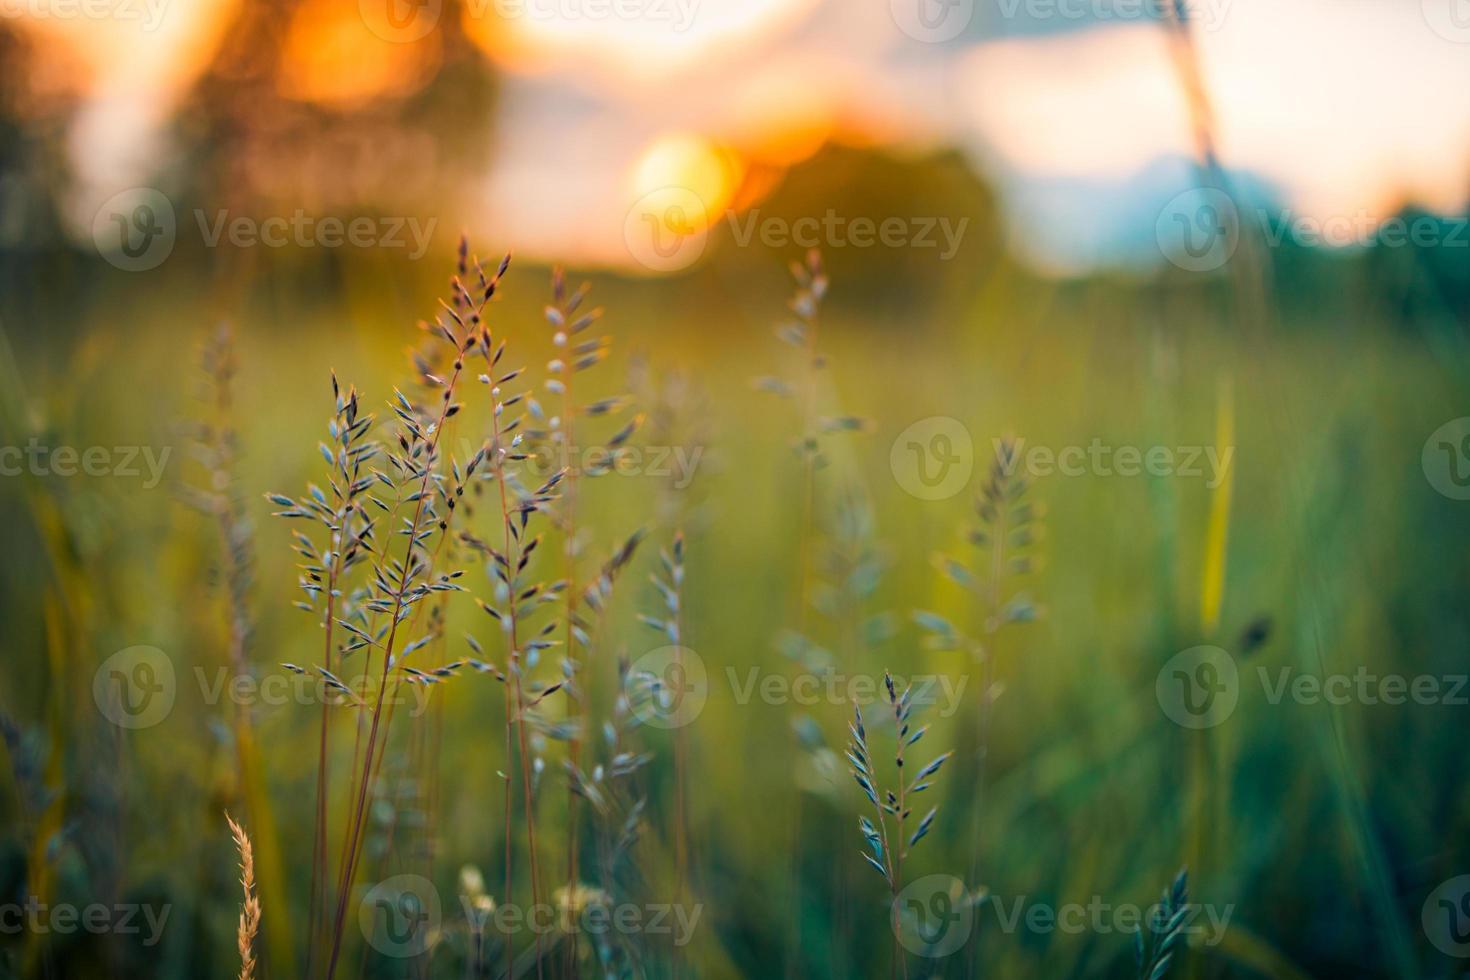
{"points": [[636, 41], [332, 56], [601, 103], [149, 49], [686, 160], [779, 119], [679, 187]]}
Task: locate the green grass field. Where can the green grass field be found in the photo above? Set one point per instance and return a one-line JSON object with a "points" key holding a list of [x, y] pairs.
{"points": [[1315, 822]]}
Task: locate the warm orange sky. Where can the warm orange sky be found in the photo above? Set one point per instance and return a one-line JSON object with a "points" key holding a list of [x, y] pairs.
{"points": [[1346, 107]]}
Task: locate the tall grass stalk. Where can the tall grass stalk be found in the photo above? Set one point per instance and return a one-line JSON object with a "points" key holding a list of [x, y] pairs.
{"points": [[1255, 316], [349, 541], [398, 595], [573, 355], [423, 754], [1002, 539], [249, 925], [397, 587], [1165, 928], [801, 333], [516, 706], [675, 418], [516, 600], [557, 316], [885, 839], [217, 448]]}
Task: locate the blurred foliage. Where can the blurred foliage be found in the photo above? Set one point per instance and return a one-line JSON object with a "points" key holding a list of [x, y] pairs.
{"points": [[1323, 828]]}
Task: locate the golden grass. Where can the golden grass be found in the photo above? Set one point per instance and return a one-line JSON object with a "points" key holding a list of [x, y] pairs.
{"points": [[249, 928]]}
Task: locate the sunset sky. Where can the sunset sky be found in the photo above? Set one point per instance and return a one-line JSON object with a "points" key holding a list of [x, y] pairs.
{"points": [[1063, 111]]}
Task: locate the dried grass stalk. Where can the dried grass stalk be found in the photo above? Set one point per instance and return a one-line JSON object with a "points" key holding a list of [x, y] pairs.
{"points": [[249, 927]]}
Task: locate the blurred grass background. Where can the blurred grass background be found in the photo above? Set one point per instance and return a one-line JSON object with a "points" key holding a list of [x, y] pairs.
{"points": [[1321, 828], [1325, 826]]}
